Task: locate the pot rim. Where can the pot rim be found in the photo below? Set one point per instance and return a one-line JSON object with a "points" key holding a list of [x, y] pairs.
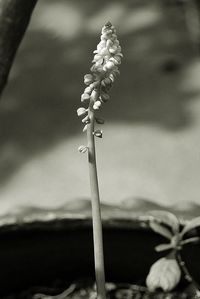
{"points": [[112, 217]]}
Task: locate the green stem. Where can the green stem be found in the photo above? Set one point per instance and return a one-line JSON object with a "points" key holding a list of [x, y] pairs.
{"points": [[96, 210]]}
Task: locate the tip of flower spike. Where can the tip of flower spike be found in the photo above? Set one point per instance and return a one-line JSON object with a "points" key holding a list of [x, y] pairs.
{"points": [[108, 24]]}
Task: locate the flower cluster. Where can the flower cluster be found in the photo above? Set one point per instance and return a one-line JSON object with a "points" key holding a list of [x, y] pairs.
{"points": [[103, 72]]}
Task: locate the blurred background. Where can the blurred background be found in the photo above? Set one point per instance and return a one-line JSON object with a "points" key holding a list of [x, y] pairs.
{"points": [[149, 156]]}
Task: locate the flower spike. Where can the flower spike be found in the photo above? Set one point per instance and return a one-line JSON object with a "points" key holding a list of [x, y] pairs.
{"points": [[104, 70]]}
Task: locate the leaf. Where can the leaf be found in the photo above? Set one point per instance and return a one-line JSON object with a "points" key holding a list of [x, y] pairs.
{"points": [[166, 218], [194, 223], [158, 228], [165, 274], [190, 240], [163, 247]]}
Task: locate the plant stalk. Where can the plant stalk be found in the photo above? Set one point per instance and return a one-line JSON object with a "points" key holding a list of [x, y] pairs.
{"points": [[185, 271], [194, 285], [96, 210]]}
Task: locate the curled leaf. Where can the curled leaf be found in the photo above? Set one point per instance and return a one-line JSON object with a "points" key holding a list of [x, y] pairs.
{"points": [[163, 247], [174, 244], [166, 218], [194, 223], [190, 240], [165, 274], [160, 229]]}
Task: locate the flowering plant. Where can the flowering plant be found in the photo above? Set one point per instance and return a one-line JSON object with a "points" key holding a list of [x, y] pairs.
{"points": [[166, 272], [103, 72]]}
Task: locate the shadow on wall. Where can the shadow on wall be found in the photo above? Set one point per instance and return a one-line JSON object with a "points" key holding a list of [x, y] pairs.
{"points": [[38, 108]]}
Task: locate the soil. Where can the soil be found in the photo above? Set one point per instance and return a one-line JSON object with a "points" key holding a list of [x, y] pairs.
{"points": [[80, 290]]}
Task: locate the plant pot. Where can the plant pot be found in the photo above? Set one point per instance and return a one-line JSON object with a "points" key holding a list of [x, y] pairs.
{"points": [[41, 246]]}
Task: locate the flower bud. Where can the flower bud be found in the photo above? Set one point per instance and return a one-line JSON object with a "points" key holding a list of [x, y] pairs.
{"points": [[98, 133], [98, 63], [114, 36], [165, 274], [106, 26], [112, 78], [97, 57], [116, 42], [108, 32], [94, 95], [83, 149], [101, 45], [116, 60], [119, 49], [113, 50], [103, 37], [104, 97], [85, 97], [116, 72], [97, 105], [109, 43], [88, 78], [104, 52], [85, 128], [88, 89], [86, 120], [96, 83], [99, 121], [106, 81], [81, 111], [109, 65], [98, 68], [119, 54]]}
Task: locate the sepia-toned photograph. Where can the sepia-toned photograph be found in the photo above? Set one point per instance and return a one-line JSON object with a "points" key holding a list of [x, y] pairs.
{"points": [[100, 149]]}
